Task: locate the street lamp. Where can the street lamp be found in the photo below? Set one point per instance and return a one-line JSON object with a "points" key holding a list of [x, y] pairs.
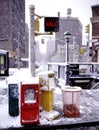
{"points": [[67, 37]]}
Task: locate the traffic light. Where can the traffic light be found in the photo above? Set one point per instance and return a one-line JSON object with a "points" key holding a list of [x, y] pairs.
{"points": [[82, 50], [42, 41], [36, 25], [51, 24], [88, 28]]}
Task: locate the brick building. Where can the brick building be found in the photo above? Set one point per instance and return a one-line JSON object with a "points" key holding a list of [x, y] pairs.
{"points": [[74, 26], [95, 31], [12, 28]]}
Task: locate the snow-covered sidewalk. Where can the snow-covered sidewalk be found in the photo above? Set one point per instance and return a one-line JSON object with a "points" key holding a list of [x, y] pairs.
{"points": [[89, 108]]}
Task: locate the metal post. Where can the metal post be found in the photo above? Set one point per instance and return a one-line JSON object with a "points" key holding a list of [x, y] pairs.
{"points": [[32, 40], [67, 42], [67, 60], [18, 51], [67, 35], [66, 51], [88, 47], [59, 71]]}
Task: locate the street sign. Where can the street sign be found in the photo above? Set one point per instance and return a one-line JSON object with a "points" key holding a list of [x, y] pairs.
{"points": [[97, 43], [51, 24], [93, 40]]}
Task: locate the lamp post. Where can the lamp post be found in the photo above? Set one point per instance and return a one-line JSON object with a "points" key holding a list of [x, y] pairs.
{"points": [[67, 37]]}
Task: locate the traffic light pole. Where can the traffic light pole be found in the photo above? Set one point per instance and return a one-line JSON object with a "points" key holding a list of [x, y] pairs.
{"points": [[32, 40], [88, 39], [88, 45]]}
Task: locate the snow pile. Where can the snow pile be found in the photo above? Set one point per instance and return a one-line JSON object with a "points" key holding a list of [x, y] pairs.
{"points": [[89, 105], [19, 75], [61, 82]]}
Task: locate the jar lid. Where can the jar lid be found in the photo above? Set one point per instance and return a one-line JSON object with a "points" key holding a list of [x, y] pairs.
{"points": [[71, 88]]}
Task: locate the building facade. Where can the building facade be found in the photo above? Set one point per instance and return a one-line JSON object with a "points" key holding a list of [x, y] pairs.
{"points": [[95, 33], [12, 29], [74, 26]]}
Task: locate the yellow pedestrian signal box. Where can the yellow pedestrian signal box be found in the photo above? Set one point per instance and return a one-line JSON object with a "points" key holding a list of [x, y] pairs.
{"points": [[88, 28], [36, 25]]}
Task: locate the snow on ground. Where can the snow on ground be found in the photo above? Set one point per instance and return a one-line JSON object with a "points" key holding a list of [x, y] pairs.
{"points": [[89, 104], [6, 120]]}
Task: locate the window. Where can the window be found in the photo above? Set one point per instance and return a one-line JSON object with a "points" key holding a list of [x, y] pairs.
{"points": [[30, 95]]}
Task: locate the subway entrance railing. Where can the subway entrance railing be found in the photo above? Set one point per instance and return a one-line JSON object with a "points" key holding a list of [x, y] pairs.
{"points": [[84, 74]]}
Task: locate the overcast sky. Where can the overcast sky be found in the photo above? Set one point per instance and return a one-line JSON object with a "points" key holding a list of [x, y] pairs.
{"points": [[80, 9]]}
